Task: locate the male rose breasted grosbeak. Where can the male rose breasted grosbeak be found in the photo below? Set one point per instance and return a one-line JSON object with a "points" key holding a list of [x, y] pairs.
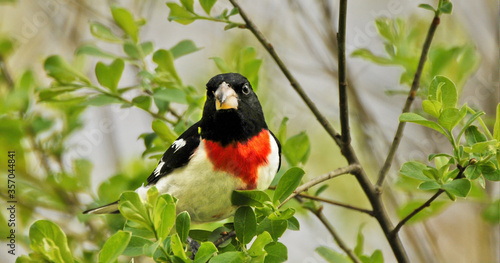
{"points": [[229, 149]]}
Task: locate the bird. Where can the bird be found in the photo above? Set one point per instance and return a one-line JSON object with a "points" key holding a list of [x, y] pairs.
{"points": [[230, 148]]}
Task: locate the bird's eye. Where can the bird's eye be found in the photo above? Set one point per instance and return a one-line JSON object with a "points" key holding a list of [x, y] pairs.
{"points": [[245, 89]]}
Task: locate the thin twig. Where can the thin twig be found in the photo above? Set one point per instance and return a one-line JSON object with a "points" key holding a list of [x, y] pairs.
{"points": [[224, 238], [428, 202], [416, 211], [411, 96], [332, 202], [319, 214], [320, 179], [293, 82], [343, 101]]}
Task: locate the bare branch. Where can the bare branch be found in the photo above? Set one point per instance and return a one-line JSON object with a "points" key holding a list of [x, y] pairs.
{"points": [[332, 202], [416, 211], [411, 96], [343, 101], [322, 178], [319, 214]]}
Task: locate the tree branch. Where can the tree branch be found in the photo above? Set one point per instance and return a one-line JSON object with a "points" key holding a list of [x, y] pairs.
{"points": [[428, 202], [293, 82], [411, 96], [332, 202], [319, 214], [320, 179], [343, 101], [416, 211]]}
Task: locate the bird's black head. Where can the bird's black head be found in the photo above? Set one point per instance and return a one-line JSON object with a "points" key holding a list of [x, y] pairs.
{"points": [[232, 111]]}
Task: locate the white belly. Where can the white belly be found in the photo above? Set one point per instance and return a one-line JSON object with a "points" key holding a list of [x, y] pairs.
{"points": [[204, 193]]}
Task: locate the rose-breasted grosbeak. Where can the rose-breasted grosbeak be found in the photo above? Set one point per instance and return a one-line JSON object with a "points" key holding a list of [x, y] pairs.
{"points": [[229, 149]]}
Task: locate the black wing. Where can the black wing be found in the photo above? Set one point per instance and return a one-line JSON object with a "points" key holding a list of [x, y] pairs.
{"points": [[178, 154]]}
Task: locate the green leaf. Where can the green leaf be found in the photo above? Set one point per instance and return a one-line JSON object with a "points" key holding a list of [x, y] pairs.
{"points": [[102, 32], [434, 209], [165, 61], [446, 7], [143, 102], [386, 28], [332, 256], [6, 46], [432, 107], [472, 172], [496, 129], [414, 170], [276, 253], [180, 15], [281, 135], [257, 248], [132, 50], [249, 197], [287, 184], [92, 50], [60, 70], [473, 135], [109, 76], [49, 240], [101, 99], [170, 95], [163, 131], [126, 22], [368, 55], [492, 212], [164, 215], [282, 215], [377, 256], [429, 185], [293, 224], [360, 240], [132, 208], [450, 117], [415, 118], [182, 48], [136, 246], [188, 4], [207, 5], [205, 252], [427, 6], [297, 148], [275, 227], [182, 225], [459, 187], [469, 122], [482, 147], [443, 90], [199, 234], [114, 247], [489, 171], [245, 224], [229, 257], [177, 247], [221, 65]]}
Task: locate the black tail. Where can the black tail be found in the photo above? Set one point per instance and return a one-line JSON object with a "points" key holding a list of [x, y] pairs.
{"points": [[105, 209]]}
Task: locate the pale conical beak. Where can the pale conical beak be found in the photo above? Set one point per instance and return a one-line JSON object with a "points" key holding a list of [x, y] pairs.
{"points": [[225, 97]]}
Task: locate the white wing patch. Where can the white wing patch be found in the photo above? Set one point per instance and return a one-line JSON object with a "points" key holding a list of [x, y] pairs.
{"points": [[178, 144], [158, 168]]}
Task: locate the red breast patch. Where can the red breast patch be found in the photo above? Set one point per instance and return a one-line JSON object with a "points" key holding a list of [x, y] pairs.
{"points": [[241, 159]]}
